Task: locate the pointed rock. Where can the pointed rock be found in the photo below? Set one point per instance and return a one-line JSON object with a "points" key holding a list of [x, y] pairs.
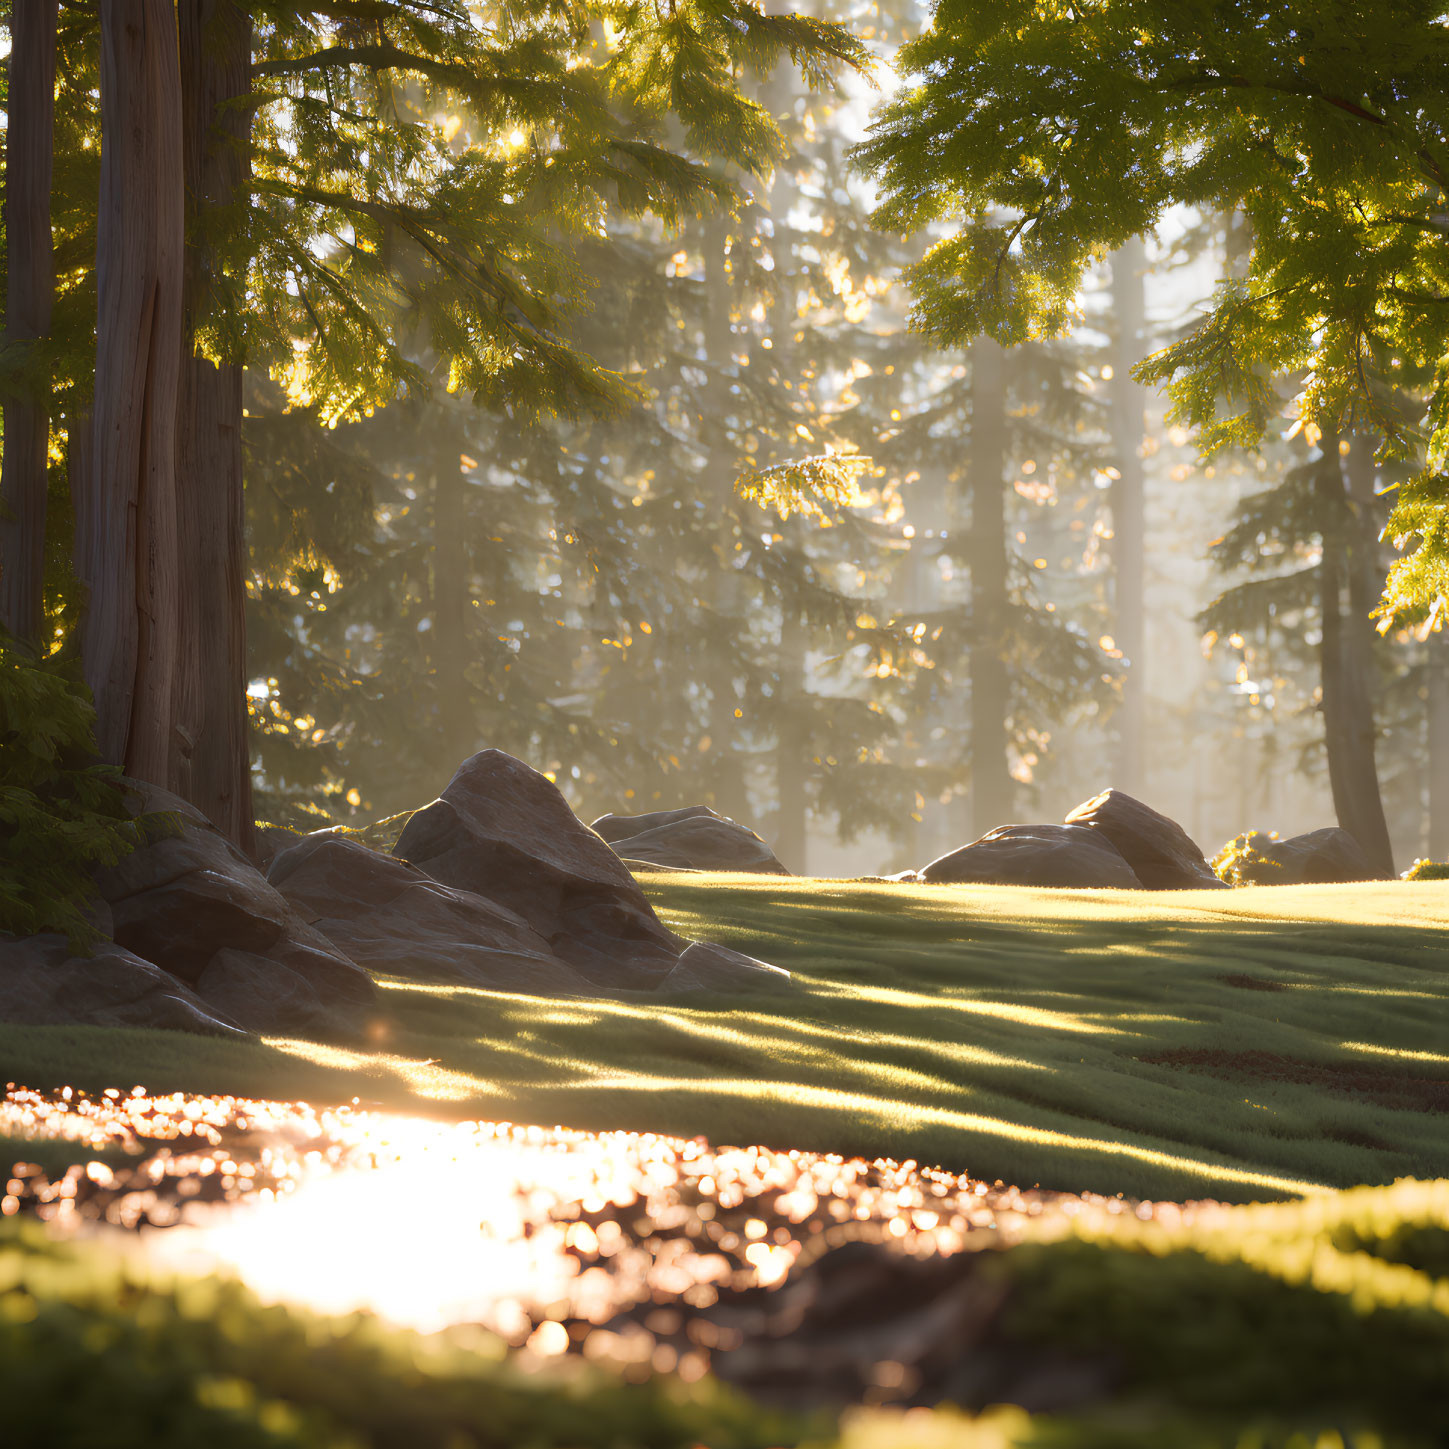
{"points": [[1160, 852], [503, 831]]}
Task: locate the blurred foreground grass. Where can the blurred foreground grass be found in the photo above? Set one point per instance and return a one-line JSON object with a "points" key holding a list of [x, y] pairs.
{"points": [[1242, 1045], [1318, 1323]]}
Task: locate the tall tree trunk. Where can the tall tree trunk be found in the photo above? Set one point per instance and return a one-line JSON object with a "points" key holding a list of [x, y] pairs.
{"points": [[1129, 543], [448, 642], [1347, 662], [127, 517], [727, 775], [211, 764], [1437, 668], [28, 151], [792, 744], [992, 789]]}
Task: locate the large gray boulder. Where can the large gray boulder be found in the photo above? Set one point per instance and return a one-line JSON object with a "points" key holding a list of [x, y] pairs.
{"points": [[392, 917], [181, 900], [503, 831], [43, 984], [693, 838], [1036, 855], [1161, 853], [1319, 857]]}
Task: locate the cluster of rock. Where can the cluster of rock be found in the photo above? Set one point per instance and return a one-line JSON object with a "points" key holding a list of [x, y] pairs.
{"points": [[1112, 840], [496, 884], [198, 939], [694, 838], [1115, 841]]}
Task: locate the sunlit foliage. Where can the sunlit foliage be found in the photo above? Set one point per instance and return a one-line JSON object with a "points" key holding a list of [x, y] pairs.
{"points": [[1051, 131]]}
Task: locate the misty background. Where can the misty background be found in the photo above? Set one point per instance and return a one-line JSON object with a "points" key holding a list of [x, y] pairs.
{"points": [[1037, 591]]}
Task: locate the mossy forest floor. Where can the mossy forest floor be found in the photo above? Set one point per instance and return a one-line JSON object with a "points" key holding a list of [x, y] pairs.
{"points": [[1238, 1045]]}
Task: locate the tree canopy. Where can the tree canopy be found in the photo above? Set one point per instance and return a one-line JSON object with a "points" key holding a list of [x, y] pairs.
{"points": [[1041, 132]]}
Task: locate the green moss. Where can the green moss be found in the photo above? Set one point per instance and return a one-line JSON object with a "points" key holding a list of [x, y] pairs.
{"points": [[94, 1352], [1298, 1312], [1248, 1327]]}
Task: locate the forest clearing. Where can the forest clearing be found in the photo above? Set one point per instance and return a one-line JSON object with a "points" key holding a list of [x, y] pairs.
{"points": [[724, 724]]}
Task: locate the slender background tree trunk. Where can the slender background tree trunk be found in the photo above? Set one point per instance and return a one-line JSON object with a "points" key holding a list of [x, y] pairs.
{"points": [[731, 796], [211, 764], [127, 519], [1347, 663], [1129, 543], [448, 642], [992, 789], [1437, 665], [28, 153], [792, 744]]}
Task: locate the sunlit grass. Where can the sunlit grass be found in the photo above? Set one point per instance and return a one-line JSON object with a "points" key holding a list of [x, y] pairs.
{"points": [[1010, 1033]]}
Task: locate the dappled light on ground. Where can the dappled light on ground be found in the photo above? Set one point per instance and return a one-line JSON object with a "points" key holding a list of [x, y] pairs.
{"points": [[1159, 1045], [614, 1245]]}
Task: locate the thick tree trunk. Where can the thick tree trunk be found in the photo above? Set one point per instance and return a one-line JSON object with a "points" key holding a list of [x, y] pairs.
{"points": [[1129, 543], [992, 789], [28, 150], [1347, 662], [211, 763], [128, 556]]}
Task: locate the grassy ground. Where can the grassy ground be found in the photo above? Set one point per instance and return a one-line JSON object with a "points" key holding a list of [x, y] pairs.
{"points": [[1242, 1045], [1323, 1323]]}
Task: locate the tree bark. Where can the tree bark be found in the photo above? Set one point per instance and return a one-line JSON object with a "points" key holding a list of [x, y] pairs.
{"points": [[211, 762], [1129, 550], [727, 775], [792, 745], [128, 558], [992, 789], [31, 284], [1437, 669], [1347, 661], [449, 641]]}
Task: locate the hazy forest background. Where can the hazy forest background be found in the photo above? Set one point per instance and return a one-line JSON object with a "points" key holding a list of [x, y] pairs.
{"points": [[1035, 590]]}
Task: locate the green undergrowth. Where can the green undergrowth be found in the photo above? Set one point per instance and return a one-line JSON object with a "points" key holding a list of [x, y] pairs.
{"points": [[62, 812], [1428, 870], [1241, 1045], [1319, 1323]]}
